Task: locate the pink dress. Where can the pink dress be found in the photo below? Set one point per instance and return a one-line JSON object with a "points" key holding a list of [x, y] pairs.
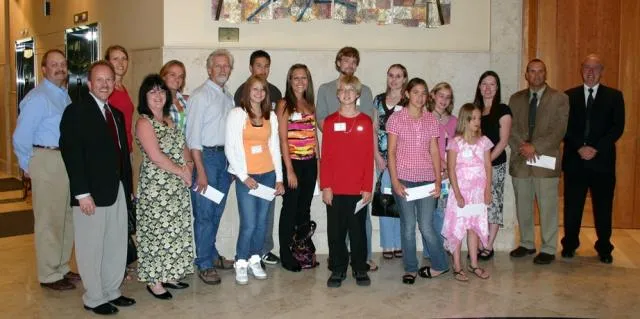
{"points": [[472, 181]]}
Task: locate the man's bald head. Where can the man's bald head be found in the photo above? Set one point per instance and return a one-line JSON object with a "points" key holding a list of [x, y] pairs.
{"points": [[592, 68]]}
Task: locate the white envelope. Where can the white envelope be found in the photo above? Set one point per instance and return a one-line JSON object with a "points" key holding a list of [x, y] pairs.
{"points": [[544, 161], [213, 194], [264, 192], [387, 191], [471, 210], [419, 192], [359, 205], [316, 190]]}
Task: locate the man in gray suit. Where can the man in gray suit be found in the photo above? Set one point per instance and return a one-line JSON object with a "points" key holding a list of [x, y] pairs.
{"points": [[540, 116]]}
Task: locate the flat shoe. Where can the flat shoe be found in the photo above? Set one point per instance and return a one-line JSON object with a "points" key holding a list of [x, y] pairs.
{"points": [[177, 285], [103, 309], [397, 253], [425, 272], [482, 275], [164, 296], [387, 254], [460, 276], [123, 301], [486, 254]]}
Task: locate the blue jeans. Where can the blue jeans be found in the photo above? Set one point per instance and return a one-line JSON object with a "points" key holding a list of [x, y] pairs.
{"points": [[206, 213], [422, 211], [390, 233], [253, 216], [438, 221]]}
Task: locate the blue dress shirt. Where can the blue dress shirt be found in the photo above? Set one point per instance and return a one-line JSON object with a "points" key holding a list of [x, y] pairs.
{"points": [[39, 120]]}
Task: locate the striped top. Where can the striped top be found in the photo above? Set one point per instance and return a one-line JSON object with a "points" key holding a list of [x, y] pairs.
{"points": [[301, 133]]}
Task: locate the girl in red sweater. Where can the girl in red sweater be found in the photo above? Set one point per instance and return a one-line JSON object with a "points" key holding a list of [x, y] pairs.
{"points": [[346, 178]]}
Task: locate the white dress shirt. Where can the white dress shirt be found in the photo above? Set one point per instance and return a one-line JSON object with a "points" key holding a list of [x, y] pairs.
{"points": [[207, 115], [586, 92]]}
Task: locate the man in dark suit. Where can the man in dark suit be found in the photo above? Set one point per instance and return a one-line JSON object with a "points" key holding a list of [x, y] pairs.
{"points": [[94, 148], [596, 121]]}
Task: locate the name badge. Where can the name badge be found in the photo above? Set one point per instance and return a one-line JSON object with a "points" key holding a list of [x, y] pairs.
{"points": [[257, 149], [397, 108], [296, 116], [273, 105], [359, 128], [340, 127]]}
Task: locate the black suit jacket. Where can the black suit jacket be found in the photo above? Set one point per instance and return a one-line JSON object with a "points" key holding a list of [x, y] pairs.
{"points": [[607, 125], [90, 156]]}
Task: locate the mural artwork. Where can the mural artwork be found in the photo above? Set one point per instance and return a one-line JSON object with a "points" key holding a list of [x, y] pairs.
{"points": [[411, 13]]}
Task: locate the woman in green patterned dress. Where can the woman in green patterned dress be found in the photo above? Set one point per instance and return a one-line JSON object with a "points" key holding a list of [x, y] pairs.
{"points": [[165, 249]]}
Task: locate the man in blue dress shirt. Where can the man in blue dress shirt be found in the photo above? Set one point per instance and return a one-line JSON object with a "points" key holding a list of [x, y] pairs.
{"points": [[35, 143]]}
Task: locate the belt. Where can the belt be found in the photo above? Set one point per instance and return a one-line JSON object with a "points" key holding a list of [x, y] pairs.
{"points": [[214, 148], [53, 148]]}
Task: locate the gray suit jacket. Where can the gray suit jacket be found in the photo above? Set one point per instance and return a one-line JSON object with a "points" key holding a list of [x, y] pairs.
{"points": [[550, 127]]}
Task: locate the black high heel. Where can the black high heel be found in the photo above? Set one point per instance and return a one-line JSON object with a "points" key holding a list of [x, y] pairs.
{"points": [[164, 296]]}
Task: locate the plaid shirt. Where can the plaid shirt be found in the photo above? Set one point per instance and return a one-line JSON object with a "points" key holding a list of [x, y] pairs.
{"points": [[179, 118], [413, 156]]}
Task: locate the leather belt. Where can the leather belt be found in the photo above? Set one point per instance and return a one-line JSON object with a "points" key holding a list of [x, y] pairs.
{"points": [[52, 148], [214, 148]]}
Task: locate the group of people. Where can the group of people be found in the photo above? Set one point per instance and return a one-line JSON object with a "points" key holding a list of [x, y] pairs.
{"points": [[446, 172]]}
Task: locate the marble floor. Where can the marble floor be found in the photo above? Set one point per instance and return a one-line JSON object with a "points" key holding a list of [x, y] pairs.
{"points": [[579, 287]]}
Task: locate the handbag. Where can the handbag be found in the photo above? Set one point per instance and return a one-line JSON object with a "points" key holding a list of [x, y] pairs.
{"points": [[383, 205]]}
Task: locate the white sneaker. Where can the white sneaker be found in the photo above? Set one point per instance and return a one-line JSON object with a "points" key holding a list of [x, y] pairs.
{"points": [[255, 268], [241, 271]]}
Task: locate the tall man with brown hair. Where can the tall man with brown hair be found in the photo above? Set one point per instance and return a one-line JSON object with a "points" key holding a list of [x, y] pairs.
{"points": [[35, 143]]}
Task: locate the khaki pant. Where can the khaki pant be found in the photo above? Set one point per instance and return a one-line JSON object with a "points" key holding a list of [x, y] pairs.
{"points": [[101, 250], [53, 229], [545, 191]]}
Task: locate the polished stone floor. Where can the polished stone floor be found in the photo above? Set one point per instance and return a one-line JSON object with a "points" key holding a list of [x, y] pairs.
{"points": [[579, 287]]}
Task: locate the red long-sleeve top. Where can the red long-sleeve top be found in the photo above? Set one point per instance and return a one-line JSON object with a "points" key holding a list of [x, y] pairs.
{"points": [[346, 164], [120, 100]]}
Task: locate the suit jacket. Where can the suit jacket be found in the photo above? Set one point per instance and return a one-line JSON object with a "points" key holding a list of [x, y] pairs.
{"points": [[549, 130], [90, 156], [607, 125]]}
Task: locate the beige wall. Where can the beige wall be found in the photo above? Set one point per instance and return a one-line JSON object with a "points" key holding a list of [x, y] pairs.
{"points": [[137, 25], [459, 67], [189, 24]]}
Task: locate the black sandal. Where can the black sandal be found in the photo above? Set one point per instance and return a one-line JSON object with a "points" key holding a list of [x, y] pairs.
{"points": [[387, 254], [486, 254], [408, 279], [425, 272]]}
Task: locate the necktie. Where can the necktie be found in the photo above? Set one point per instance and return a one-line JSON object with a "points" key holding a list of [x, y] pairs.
{"points": [[533, 106], [111, 124], [587, 121]]}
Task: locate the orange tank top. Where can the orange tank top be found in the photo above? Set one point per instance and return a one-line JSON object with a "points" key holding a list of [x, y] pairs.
{"points": [[256, 147]]}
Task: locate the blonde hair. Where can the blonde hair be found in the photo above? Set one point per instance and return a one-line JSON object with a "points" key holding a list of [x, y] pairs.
{"points": [[464, 118], [431, 105], [352, 81]]}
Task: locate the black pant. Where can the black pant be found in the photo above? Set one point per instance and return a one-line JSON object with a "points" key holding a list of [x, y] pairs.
{"points": [[296, 204], [576, 185], [340, 221]]}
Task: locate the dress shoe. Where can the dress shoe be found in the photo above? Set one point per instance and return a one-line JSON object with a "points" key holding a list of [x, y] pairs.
{"points": [[176, 285], [209, 276], [521, 252], [123, 301], [544, 259], [568, 253], [164, 296], [103, 309], [607, 259], [72, 276], [62, 284]]}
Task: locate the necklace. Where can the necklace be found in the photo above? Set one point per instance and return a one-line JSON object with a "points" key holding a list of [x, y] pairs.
{"points": [[353, 121]]}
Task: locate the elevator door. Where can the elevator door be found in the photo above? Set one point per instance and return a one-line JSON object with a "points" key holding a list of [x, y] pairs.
{"points": [[82, 50]]}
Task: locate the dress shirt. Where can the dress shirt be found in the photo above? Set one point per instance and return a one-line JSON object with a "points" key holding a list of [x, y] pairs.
{"points": [[538, 96], [39, 120], [207, 115], [586, 92]]}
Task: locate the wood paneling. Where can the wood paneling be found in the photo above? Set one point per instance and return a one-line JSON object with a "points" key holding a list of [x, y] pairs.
{"points": [[563, 33]]}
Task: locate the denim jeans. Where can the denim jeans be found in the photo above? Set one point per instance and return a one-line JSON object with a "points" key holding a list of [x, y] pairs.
{"points": [[253, 216], [390, 233], [268, 234], [422, 212], [207, 214], [438, 221]]}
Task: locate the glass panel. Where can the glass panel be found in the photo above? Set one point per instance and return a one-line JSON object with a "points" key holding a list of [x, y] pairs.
{"points": [[82, 50]]}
